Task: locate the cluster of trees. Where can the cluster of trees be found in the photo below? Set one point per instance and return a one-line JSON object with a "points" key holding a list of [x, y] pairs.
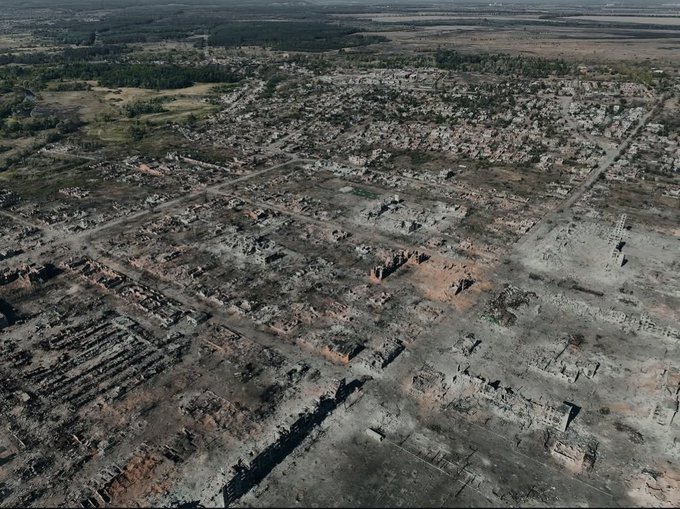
{"points": [[15, 115], [271, 84], [12, 76], [138, 108], [137, 132], [16, 120], [141, 75], [289, 36], [28, 58], [82, 37], [94, 52], [69, 125], [15, 127], [13, 103], [318, 64], [501, 64]]}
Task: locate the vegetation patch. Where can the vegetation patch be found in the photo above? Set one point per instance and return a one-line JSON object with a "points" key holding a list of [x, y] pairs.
{"points": [[144, 75], [364, 193], [138, 108]]}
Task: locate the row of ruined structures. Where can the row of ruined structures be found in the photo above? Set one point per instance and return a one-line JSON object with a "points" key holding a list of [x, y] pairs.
{"points": [[510, 404], [249, 473], [615, 241], [165, 310]]}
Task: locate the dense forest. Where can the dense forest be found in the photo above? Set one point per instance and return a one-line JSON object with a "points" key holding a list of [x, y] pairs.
{"points": [[145, 23], [290, 36], [119, 29]]}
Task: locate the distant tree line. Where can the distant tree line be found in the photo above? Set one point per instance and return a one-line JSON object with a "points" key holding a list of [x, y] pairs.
{"points": [[68, 55], [503, 64], [149, 76], [118, 29], [71, 86]]}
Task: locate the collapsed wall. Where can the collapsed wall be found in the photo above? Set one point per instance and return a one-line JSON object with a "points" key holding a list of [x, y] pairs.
{"points": [[394, 262], [250, 474]]}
